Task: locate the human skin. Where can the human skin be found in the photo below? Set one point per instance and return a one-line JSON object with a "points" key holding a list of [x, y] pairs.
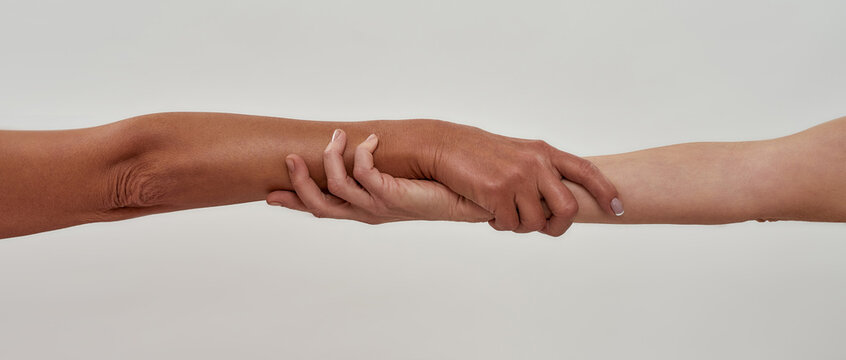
{"points": [[796, 177], [172, 161]]}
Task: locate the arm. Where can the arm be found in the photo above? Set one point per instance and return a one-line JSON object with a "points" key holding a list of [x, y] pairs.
{"points": [[171, 161], [155, 163], [798, 177], [168, 161]]}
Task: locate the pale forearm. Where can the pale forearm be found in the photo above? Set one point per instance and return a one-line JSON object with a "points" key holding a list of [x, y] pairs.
{"points": [[798, 177], [698, 183]]}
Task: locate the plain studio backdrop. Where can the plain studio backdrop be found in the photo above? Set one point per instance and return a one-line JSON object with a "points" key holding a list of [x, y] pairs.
{"points": [[590, 77]]}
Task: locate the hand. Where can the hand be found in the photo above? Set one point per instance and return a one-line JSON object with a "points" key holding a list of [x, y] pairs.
{"points": [[381, 198], [511, 178]]}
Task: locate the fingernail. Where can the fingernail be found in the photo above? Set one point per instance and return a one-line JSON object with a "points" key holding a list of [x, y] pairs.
{"points": [[371, 137], [290, 163], [275, 203], [335, 134], [617, 206]]}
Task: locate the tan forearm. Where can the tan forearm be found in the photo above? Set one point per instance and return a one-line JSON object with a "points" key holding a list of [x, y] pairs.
{"points": [[172, 161], [798, 177], [52, 179], [241, 158]]}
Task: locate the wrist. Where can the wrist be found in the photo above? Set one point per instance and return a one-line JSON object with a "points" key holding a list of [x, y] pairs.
{"points": [[410, 148]]}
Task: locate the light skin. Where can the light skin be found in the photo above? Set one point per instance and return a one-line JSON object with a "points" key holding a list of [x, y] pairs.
{"points": [[173, 161], [796, 177]]}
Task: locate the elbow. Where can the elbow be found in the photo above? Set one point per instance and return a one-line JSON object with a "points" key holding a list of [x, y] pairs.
{"points": [[136, 187], [137, 180], [138, 183]]}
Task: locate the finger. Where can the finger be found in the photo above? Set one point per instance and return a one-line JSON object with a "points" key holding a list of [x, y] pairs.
{"points": [[585, 173], [505, 217], [288, 199], [318, 203], [365, 172], [340, 184], [453, 207], [531, 213], [466, 210], [557, 227], [562, 204]]}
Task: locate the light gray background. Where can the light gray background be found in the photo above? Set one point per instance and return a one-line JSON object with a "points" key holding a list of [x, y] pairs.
{"points": [[590, 77]]}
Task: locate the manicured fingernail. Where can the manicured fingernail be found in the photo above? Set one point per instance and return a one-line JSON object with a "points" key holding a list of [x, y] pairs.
{"points": [[335, 134], [371, 137], [290, 163], [617, 206], [275, 203]]}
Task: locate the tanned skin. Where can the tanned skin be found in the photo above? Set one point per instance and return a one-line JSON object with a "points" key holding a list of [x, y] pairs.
{"points": [[796, 177], [172, 161]]}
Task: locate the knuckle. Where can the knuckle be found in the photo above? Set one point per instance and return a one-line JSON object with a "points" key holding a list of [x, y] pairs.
{"points": [[512, 175], [534, 224], [537, 149], [361, 148], [539, 146], [570, 209], [558, 229], [556, 232], [492, 185], [496, 226], [328, 152], [385, 204], [317, 212], [298, 182], [335, 185], [588, 168], [510, 225], [499, 187], [360, 172], [539, 161]]}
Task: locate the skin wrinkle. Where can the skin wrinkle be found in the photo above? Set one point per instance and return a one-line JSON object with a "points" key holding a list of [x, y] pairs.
{"points": [[61, 178], [141, 185]]}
